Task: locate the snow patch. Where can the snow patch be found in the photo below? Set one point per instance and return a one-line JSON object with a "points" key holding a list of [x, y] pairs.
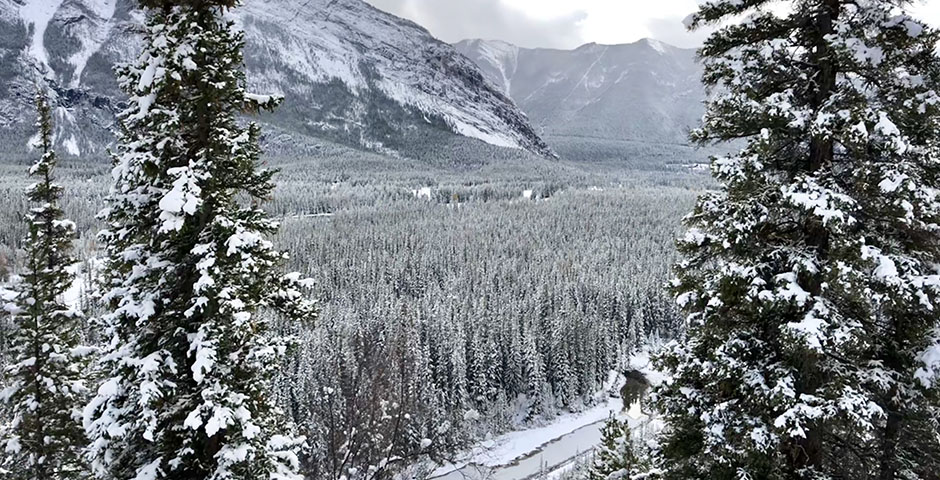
{"points": [[39, 13], [151, 471], [182, 200], [71, 146], [423, 192], [504, 57], [92, 40], [885, 269], [788, 288], [492, 138], [811, 328], [656, 45], [892, 182], [927, 375], [885, 126]]}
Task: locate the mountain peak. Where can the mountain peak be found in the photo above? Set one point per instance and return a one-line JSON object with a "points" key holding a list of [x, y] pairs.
{"points": [[660, 47], [657, 45]]}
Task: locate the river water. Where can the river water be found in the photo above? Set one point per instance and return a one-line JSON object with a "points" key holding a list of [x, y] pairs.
{"points": [[550, 456]]}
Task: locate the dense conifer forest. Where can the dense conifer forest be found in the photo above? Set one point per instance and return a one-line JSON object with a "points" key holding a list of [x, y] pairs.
{"points": [[497, 294]]}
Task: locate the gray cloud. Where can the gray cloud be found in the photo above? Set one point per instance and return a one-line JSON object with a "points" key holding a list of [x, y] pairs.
{"points": [[673, 32], [455, 20]]}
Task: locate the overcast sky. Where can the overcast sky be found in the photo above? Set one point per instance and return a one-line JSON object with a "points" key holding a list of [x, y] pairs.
{"points": [[564, 23]]}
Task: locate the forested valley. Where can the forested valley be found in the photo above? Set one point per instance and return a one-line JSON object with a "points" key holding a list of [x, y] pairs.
{"points": [[454, 302]]}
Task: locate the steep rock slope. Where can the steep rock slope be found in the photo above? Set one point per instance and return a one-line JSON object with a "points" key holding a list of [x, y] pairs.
{"points": [[350, 73]]}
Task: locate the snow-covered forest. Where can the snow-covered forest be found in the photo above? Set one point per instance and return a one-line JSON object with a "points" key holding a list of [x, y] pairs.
{"points": [[232, 300], [473, 296]]}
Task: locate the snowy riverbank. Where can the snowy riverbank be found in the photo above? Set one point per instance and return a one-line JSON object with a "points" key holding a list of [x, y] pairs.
{"points": [[530, 452]]}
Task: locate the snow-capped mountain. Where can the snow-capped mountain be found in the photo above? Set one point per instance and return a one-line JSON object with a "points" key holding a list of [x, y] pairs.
{"points": [[646, 91], [349, 72]]}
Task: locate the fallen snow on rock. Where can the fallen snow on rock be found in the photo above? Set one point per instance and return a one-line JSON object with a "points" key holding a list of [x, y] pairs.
{"points": [[37, 14]]}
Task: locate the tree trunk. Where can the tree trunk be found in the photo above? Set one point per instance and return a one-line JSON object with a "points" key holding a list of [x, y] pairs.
{"points": [[890, 446], [809, 452], [821, 150]]}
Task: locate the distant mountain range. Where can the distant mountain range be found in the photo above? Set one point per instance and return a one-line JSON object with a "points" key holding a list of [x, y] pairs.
{"points": [[646, 92], [359, 76], [350, 73]]}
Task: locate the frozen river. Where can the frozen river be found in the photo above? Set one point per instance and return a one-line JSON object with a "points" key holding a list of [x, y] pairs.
{"points": [[550, 449], [551, 455], [547, 458]]}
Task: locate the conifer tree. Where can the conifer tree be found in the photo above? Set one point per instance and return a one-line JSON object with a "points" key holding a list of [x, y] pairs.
{"points": [[46, 390], [535, 375], [459, 397], [191, 276], [811, 280], [614, 457]]}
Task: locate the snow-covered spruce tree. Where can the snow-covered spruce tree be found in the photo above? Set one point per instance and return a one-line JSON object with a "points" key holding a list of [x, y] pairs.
{"points": [[190, 274], [46, 392], [614, 457], [811, 280], [535, 376]]}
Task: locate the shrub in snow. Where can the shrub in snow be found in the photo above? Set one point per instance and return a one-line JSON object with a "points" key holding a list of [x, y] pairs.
{"points": [[615, 456]]}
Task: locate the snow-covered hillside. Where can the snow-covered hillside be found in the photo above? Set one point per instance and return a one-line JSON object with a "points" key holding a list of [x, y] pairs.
{"points": [[646, 91], [350, 73]]}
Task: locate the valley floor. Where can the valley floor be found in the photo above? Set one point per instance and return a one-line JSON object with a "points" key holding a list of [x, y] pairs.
{"points": [[444, 271]]}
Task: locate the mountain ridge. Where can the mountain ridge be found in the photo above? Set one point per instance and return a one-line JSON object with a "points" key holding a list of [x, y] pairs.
{"points": [[351, 73]]}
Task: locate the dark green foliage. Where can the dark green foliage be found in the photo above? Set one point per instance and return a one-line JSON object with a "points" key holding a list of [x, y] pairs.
{"points": [[811, 281], [45, 391], [614, 457], [193, 278]]}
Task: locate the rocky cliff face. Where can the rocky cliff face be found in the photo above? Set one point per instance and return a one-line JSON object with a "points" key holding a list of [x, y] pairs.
{"points": [[350, 73]]}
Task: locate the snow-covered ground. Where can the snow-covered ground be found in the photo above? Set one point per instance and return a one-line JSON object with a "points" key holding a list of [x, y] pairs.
{"points": [[511, 447], [554, 447]]}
